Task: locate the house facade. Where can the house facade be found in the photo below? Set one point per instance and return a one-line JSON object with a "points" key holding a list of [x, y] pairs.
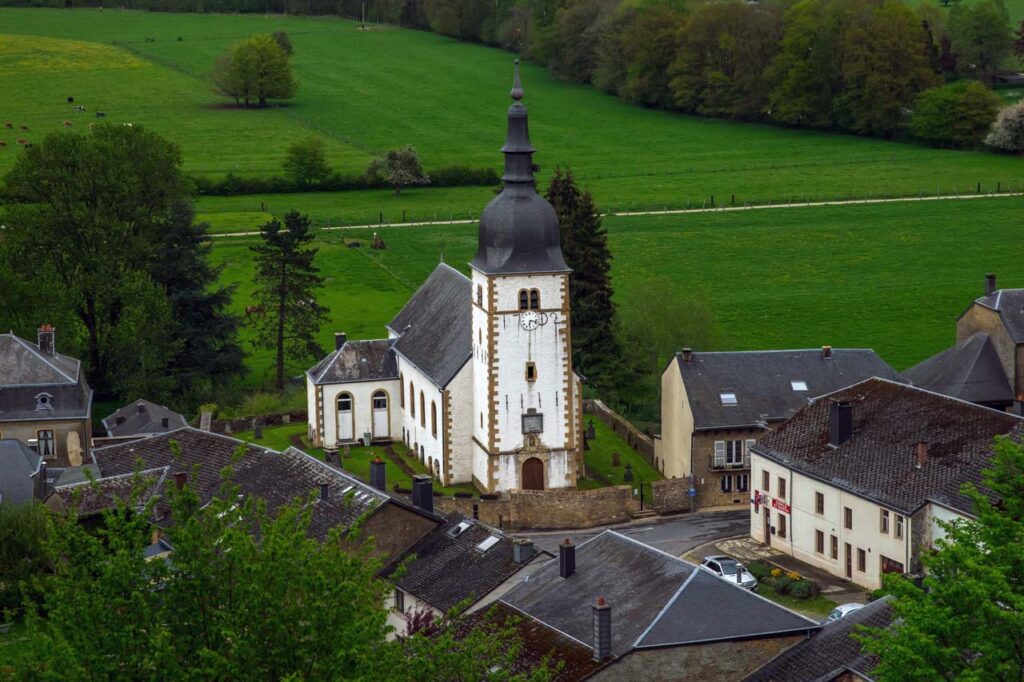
{"points": [[475, 376], [45, 401], [856, 482], [715, 406]]}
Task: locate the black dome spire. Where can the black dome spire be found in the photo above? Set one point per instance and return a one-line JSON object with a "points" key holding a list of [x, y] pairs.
{"points": [[518, 229]]}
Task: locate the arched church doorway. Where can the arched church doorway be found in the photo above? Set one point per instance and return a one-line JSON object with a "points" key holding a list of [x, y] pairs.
{"points": [[533, 474]]}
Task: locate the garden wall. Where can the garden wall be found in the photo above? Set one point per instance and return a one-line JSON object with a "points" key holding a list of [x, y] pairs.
{"points": [[636, 438], [548, 509], [671, 495]]}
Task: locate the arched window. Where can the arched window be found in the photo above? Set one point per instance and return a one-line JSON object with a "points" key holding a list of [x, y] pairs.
{"points": [[412, 399], [524, 299], [534, 299], [401, 393], [380, 400], [433, 419], [344, 403], [423, 410]]}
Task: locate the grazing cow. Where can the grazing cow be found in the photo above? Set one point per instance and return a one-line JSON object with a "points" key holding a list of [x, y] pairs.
{"points": [[23, 127], [79, 108], [2, 143], [70, 100], [67, 123], [100, 114], [127, 124], [22, 140]]}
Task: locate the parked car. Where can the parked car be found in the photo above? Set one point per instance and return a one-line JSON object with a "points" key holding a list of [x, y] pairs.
{"points": [[725, 567], [843, 610]]}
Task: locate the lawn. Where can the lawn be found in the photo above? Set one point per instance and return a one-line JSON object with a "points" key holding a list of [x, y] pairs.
{"points": [[814, 606], [369, 91], [600, 469]]}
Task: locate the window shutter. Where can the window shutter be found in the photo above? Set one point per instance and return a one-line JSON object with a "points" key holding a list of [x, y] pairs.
{"points": [[719, 453], [746, 452]]}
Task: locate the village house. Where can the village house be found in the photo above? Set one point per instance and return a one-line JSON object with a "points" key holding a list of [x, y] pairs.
{"points": [[715, 406], [649, 615], [856, 482], [986, 365], [45, 401], [475, 376], [462, 563], [142, 418]]}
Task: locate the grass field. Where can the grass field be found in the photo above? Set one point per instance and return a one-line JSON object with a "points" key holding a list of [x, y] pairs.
{"points": [[892, 277], [368, 91]]}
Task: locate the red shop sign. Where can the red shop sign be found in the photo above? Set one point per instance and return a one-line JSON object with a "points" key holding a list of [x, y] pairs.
{"points": [[780, 505]]}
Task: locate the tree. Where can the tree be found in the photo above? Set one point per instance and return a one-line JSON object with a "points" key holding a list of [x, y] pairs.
{"points": [[283, 41], [87, 211], [585, 248], [1008, 130], [884, 66], [1018, 43], [650, 47], [399, 168], [254, 69], [23, 553], [286, 281], [569, 45], [965, 620], [210, 353], [246, 594], [955, 115], [980, 37], [306, 162]]}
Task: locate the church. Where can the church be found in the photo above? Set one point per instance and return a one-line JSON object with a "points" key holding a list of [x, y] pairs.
{"points": [[475, 376]]}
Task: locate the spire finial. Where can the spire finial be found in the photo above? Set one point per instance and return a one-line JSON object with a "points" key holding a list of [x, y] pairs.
{"points": [[517, 87]]}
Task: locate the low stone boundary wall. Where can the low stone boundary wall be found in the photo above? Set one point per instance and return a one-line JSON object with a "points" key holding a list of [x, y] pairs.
{"points": [[670, 495], [548, 509], [230, 426], [637, 439]]}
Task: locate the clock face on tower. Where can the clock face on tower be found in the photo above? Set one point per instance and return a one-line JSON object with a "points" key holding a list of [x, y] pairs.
{"points": [[529, 320]]}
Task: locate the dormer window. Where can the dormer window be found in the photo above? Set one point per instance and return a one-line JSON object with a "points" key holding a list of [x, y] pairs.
{"points": [[44, 401], [728, 398], [798, 386]]}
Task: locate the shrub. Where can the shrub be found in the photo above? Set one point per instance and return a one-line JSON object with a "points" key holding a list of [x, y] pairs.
{"points": [[776, 572], [759, 569], [782, 584], [1008, 131], [793, 575], [261, 404], [802, 589], [954, 115]]}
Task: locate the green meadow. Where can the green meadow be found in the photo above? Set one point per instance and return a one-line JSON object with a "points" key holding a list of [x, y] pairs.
{"points": [[893, 277], [369, 91]]}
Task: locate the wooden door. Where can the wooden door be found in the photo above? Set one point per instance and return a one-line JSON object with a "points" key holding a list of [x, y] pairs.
{"points": [[849, 561], [767, 527], [533, 474], [345, 425], [381, 422]]}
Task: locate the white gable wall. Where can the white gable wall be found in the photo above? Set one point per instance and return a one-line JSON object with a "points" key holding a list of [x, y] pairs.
{"points": [[419, 434], [362, 408]]}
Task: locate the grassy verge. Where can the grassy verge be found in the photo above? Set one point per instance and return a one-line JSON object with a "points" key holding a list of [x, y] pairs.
{"points": [[599, 458], [815, 606]]}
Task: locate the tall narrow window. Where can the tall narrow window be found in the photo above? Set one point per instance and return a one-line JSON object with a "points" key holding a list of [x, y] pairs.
{"points": [[835, 547], [819, 542], [847, 518], [782, 525], [412, 400], [524, 300], [862, 560], [45, 444], [423, 410], [782, 487], [899, 527], [819, 503], [741, 483], [433, 419], [534, 299], [401, 393], [399, 600], [531, 371], [766, 481], [480, 295], [726, 484], [883, 524]]}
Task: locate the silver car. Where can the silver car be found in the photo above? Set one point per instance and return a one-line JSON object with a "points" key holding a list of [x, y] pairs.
{"points": [[727, 568]]}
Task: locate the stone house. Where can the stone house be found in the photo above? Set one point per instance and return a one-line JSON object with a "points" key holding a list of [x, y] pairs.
{"points": [[856, 482], [986, 365], [45, 401], [715, 406]]}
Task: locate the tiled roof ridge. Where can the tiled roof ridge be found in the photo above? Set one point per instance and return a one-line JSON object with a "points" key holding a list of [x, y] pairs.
{"points": [[191, 429], [774, 350], [961, 401], [42, 356], [67, 486]]}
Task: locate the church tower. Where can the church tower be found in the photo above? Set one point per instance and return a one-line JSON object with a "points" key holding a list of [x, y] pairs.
{"points": [[527, 407]]}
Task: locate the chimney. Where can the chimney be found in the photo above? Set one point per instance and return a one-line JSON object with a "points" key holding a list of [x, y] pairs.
{"points": [[180, 479], [423, 492], [602, 629], [840, 422], [922, 453], [990, 284], [378, 477], [119, 420], [522, 550], [566, 559], [45, 337], [165, 422], [826, 352], [324, 489], [339, 340], [687, 355]]}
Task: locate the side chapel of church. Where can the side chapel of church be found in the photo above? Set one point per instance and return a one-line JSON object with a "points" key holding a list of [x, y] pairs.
{"points": [[476, 374]]}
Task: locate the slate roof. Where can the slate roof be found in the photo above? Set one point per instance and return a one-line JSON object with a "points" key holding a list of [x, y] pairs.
{"points": [[357, 361], [970, 371], [651, 599], [1009, 303], [143, 417], [277, 477], [25, 372], [879, 461], [92, 497], [22, 363], [19, 466], [761, 382], [831, 651], [538, 642], [435, 327], [446, 570]]}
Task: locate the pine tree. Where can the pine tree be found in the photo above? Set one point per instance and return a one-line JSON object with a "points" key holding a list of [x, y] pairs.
{"points": [[211, 352], [286, 281], [585, 248]]}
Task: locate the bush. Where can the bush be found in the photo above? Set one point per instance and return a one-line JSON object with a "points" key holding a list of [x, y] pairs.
{"points": [[1008, 131], [803, 589], [759, 569], [463, 176], [261, 404], [782, 584], [954, 115]]}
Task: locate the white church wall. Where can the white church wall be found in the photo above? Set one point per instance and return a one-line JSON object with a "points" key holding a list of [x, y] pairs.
{"points": [[461, 406], [362, 409], [312, 427], [480, 362], [418, 429]]}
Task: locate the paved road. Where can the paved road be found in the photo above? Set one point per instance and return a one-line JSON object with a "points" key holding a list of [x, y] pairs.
{"points": [[675, 536]]}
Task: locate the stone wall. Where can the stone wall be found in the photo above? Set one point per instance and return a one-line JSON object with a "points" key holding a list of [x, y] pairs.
{"points": [[636, 438], [670, 495], [548, 509], [230, 426]]}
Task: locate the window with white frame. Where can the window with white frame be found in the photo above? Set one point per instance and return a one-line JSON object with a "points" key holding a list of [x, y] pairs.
{"points": [[884, 522], [399, 600], [726, 483], [728, 453], [899, 527], [728, 398], [45, 444], [742, 483]]}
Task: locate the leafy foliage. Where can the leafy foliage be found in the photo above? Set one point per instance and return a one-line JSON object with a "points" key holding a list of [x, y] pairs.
{"points": [[955, 115], [254, 70], [287, 282], [980, 37], [1008, 130], [399, 168], [964, 621], [306, 162], [23, 554]]}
